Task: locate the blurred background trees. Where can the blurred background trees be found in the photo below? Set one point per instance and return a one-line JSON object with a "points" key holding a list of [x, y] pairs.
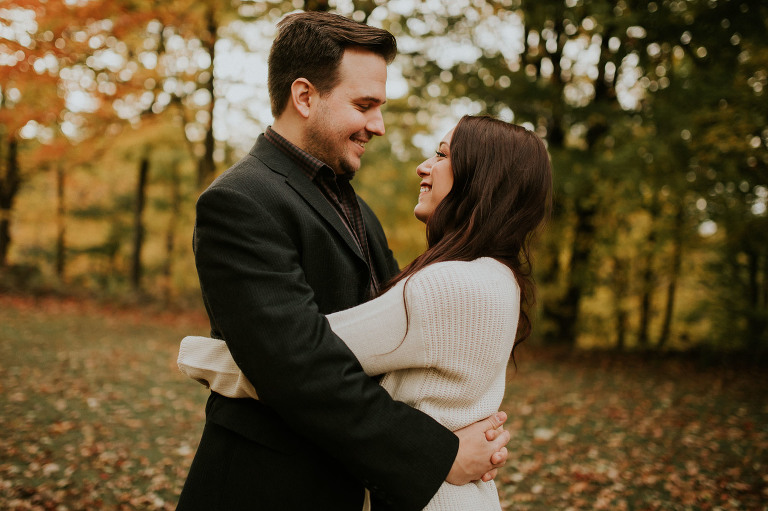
{"points": [[114, 115]]}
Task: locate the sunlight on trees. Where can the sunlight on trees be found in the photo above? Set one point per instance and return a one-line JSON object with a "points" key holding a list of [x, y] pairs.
{"points": [[653, 114]]}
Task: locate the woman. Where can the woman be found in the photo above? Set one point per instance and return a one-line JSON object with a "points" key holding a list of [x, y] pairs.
{"points": [[443, 330]]}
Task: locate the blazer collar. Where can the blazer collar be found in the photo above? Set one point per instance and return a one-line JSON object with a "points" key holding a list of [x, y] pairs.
{"points": [[280, 163]]}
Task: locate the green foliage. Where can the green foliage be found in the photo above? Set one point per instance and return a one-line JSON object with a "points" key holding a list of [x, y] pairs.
{"points": [[653, 113], [648, 109]]}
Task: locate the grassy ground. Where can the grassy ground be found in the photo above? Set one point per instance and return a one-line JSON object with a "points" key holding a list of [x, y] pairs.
{"points": [[96, 416]]}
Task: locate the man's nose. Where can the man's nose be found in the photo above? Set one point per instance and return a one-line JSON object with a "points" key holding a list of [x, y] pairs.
{"points": [[376, 123]]}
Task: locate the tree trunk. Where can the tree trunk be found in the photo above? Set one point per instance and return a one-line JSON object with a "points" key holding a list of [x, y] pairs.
{"points": [[564, 312], [753, 277], [764, 293], [10, 181], [757, 316], [548, 270], [170, 236], [138, 224], [619, 284], [61, 227], [648, 277], [316, 5], [677, 258], [206, 167], [646, 296]]}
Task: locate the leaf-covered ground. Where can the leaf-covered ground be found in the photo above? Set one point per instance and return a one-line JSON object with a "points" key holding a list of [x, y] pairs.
{"points": [[594, 431], [95, 415]]}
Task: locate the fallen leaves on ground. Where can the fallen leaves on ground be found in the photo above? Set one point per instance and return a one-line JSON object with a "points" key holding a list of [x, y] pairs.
{"points": [[95, 415], [635, 432], [95, 412]]}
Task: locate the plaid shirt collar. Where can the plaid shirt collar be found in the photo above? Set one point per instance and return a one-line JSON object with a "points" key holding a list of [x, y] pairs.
{"points": [[309, 164]]}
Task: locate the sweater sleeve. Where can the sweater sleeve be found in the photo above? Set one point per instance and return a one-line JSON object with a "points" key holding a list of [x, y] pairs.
{"points": [[375, 332], [449, 315], [380, 334]]}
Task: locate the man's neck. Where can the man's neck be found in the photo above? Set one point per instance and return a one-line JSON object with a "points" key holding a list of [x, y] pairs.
{"points": [[289, 131]]}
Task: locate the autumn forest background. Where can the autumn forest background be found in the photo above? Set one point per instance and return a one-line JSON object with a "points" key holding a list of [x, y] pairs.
{"points": [[115, 114]]}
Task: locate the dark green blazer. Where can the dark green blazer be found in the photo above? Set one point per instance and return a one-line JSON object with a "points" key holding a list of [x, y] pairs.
{"points": [[273, 257]]}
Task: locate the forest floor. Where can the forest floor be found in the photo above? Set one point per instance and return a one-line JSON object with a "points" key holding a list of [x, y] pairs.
{"points": [[95, 415]]}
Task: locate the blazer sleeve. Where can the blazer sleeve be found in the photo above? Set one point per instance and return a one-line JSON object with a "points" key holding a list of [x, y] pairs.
{"points": [[254, 287]]}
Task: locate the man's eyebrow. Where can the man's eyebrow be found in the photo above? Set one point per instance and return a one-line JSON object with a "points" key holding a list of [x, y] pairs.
{"points": [[372, 100]]}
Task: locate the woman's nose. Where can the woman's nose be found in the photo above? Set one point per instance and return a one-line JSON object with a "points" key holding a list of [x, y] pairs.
{"points": [[424, 169]]}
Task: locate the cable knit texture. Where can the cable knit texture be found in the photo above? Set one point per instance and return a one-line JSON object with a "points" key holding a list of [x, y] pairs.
{"points": [[443, 346]]}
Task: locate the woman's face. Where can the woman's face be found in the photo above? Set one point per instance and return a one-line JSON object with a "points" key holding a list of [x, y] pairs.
{"points": [[436, 179]]}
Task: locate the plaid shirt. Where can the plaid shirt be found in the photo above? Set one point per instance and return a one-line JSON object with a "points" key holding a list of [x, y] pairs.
{"points": [[337, 189]]}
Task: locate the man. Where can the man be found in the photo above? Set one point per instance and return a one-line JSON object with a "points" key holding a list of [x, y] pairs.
{"points": [[281, 239]]}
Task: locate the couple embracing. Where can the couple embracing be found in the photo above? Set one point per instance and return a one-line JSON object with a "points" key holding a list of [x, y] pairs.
{"points": [[340, 382]]}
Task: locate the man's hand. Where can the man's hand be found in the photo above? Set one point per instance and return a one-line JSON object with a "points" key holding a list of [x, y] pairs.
{"points": [[481, 450]]}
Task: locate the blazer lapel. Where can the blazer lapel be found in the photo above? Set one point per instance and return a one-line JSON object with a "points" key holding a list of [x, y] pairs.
{"points": [[279, 162]]}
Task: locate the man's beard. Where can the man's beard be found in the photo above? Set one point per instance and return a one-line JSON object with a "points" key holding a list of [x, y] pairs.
{"points": [[322, 144]]}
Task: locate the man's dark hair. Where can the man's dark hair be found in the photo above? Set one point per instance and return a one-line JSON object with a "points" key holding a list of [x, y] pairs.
{"points": [[311, 45]]}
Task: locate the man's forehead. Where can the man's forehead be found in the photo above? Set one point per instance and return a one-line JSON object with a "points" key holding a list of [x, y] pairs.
{"points": [[364, 73]]}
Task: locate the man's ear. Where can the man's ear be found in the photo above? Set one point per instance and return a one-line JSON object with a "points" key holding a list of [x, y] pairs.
{"points": [[302, 96]]}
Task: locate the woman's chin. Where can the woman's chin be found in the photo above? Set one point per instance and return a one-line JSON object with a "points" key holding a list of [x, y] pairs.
{"points": [[420, 215]]}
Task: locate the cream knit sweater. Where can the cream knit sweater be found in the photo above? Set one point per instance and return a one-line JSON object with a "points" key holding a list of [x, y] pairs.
{"points": [[447, 357]]}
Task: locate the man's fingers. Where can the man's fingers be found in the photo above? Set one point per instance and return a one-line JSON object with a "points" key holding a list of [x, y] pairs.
{"points": [[493, 434], [502, 439], [489, 476], [496, 420], [499, 458]]}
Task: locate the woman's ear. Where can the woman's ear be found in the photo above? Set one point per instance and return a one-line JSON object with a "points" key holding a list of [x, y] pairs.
{"points": [[302, 94]]}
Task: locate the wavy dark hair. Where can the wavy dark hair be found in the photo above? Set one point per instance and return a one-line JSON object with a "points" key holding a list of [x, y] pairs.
{"points": [[501, 195], [311, 45]]}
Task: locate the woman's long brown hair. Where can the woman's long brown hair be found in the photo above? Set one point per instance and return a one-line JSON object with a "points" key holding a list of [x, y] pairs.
{"points": [[502, 193]]}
